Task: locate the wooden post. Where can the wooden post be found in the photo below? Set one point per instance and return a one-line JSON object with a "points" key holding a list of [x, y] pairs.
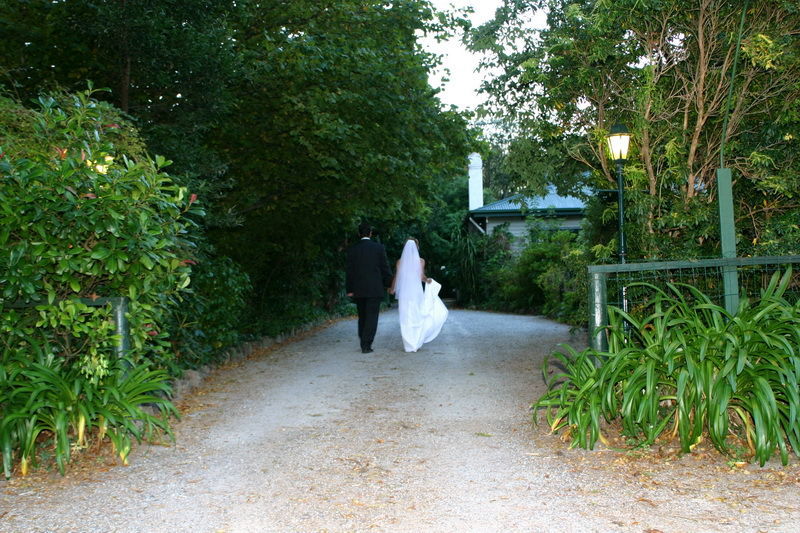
{"points": [[727, 229], [598, 316]]}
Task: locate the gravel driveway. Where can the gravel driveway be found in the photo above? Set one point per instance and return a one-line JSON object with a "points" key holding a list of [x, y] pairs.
{"points": [[314, 436]]}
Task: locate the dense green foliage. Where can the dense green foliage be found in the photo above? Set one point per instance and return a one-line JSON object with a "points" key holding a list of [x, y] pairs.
{"points": [[687, 368], [207, 320], [548, 276], [664, 68], [335, 122], [291, 120], [477, 260], [87, 215], [83, 219], [544, 274], [668, 70], [46, 401], [168, 64]]}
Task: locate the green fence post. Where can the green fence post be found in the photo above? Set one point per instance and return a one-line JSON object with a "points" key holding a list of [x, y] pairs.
{"points": [[727, 225], [727, 229], [119, 308], [598, 317]]}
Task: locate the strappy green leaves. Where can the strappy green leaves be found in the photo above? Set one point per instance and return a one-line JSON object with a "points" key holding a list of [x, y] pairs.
{"points": [[687, 369], [47, 402]]}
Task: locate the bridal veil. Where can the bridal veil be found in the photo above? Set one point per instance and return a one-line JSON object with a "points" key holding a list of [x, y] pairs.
{"points": [[422, 313]]}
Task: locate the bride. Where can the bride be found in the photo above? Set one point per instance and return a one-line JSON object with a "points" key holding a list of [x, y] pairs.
{"points": [[422, 313]]}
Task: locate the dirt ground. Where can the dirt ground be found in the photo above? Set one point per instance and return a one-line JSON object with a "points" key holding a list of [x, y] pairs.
{"points": [[314, 436]]}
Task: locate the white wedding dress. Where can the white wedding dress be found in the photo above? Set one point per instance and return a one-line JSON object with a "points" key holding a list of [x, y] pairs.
{"points": [[422, 312]]}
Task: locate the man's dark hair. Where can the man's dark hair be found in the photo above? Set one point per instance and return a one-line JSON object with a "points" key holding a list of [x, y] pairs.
{"points": [[364, 230]]}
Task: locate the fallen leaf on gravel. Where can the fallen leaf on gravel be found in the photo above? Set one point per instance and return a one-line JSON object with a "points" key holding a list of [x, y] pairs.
{"points": [[653, 531], [649, 502]]}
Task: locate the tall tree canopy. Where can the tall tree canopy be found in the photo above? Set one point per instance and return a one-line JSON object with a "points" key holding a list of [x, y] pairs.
{"points": [[292, 120], [334, 120], [167, 62], [663, 67]]}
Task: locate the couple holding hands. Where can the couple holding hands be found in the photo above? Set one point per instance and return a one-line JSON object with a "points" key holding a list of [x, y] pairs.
{"points": [[422, 312]]}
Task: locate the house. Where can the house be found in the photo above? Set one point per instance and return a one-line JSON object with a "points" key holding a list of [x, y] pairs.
{"points": [[569, 211]]}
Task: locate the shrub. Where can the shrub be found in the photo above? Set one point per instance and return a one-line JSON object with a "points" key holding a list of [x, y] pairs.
{"points": [[690, 369], [547, 276], [208, 319], [84, 213], [479, 260]]}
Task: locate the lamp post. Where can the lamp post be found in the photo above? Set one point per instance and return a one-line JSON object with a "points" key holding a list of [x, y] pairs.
{"points": [[618, 142]]}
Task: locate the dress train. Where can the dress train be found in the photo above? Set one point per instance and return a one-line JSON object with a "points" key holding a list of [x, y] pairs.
{"points": [[421, 319]]}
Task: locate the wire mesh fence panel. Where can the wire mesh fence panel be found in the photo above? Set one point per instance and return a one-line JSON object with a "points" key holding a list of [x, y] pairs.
{"points": [[753, 279], [632, 286], [638, 288]]}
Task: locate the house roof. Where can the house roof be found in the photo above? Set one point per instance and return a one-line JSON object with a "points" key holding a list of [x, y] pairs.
{"points": [[560, 205]]}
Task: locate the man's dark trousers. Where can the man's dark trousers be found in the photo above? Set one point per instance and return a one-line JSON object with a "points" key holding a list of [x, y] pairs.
{"points": [[368, 310]]}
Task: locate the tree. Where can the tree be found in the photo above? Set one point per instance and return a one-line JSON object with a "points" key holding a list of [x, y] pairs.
{"points": [[664, 68], [335, 121], [167, 62], [291, 120]]}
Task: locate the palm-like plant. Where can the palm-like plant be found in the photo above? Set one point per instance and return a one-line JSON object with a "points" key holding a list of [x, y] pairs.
{"points": [[120, 407], [691, 366], [44, 400]]}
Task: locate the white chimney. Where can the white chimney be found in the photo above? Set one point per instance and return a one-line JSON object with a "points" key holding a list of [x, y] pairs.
{"points": [[475, 181]]}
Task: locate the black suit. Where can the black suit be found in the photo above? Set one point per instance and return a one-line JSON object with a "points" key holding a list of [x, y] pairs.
{"points": [[367, 276]]}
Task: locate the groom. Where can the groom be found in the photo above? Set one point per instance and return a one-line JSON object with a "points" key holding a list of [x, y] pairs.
{"points": [[367, 276]]}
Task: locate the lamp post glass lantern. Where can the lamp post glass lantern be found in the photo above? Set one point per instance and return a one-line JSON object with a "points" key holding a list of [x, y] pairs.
{"points": [[619, 141]]}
